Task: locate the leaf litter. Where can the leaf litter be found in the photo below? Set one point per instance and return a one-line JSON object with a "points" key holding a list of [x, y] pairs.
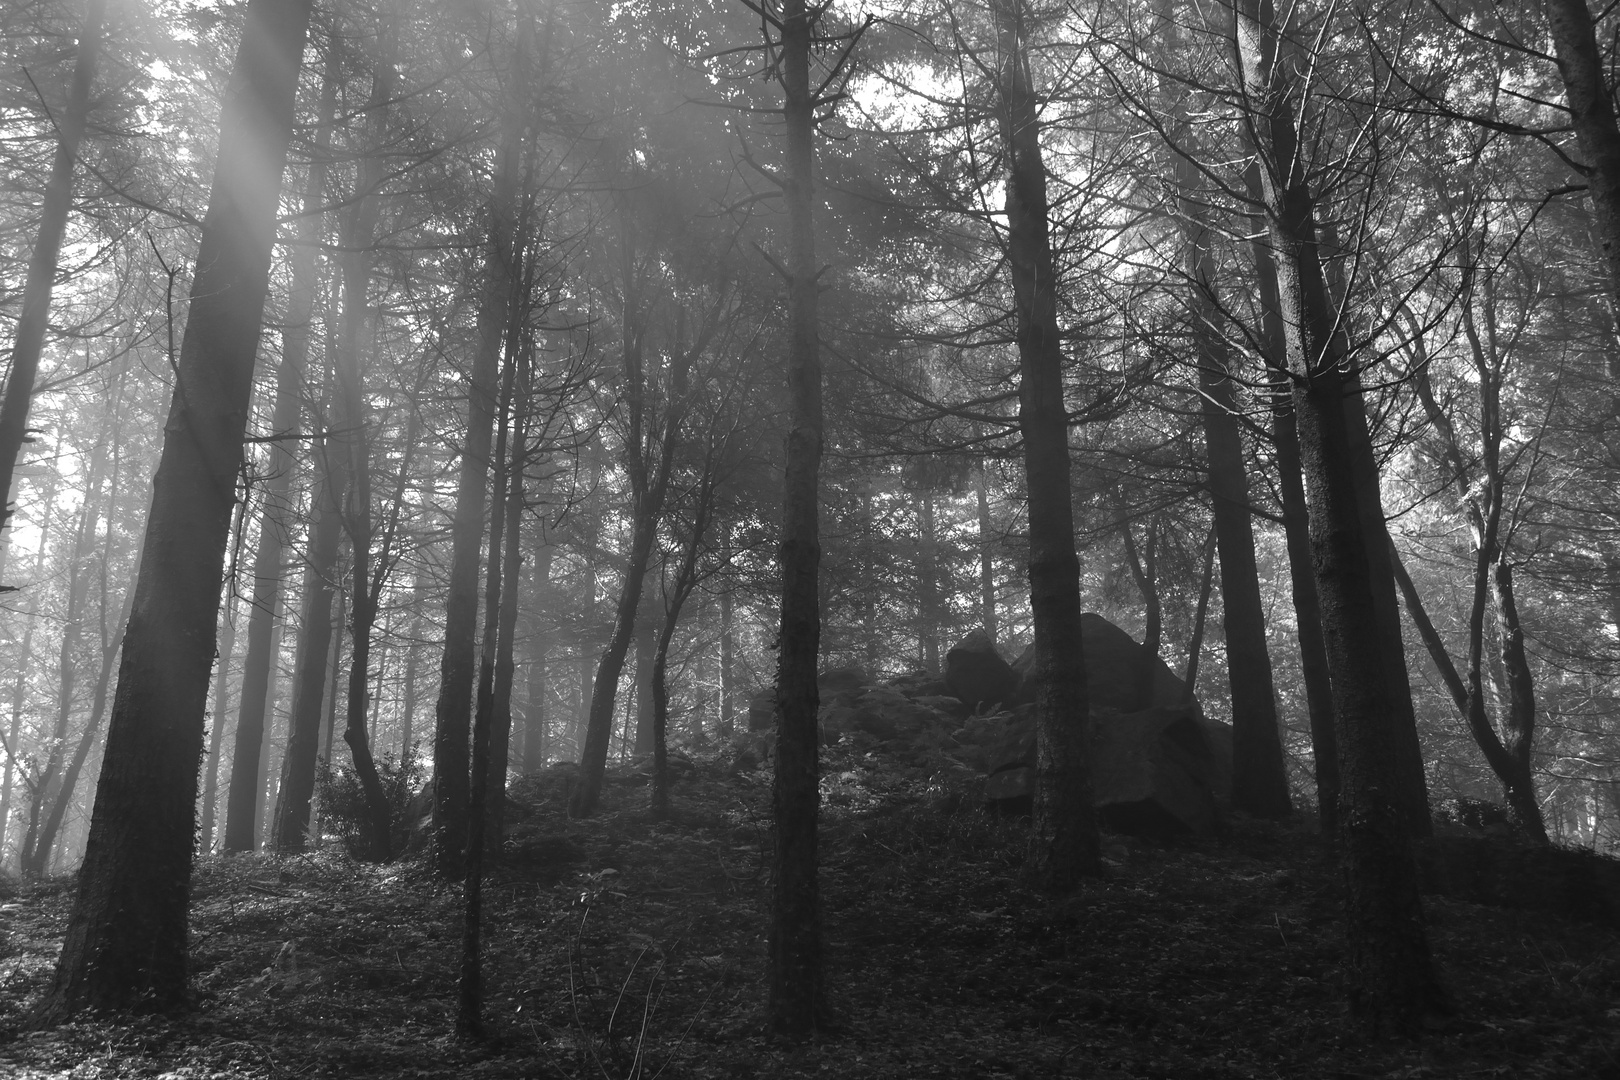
{"points": [[621, 947]]}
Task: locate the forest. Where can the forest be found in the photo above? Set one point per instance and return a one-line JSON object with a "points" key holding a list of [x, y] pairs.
{"points": [[465, 461]]}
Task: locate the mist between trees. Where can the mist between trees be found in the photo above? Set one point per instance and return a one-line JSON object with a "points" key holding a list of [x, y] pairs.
{"points": [[499, 385]]}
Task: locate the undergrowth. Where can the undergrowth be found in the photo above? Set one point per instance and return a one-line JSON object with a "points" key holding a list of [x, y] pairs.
{"points": [[624, 947]]}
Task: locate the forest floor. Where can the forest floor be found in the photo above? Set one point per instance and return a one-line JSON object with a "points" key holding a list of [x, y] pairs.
{"points": [[622, 947]]}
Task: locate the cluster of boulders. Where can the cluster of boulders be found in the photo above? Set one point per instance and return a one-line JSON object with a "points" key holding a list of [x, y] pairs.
{"points": [[1158, 766]]}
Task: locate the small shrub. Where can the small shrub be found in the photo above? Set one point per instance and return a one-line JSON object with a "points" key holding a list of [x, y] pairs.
{"points": [[343, 801]]}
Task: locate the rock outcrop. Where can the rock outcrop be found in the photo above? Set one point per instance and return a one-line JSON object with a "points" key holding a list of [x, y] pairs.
{"points": [[1156, 772], [1113, 664], [977, 673], [1160, 770]]}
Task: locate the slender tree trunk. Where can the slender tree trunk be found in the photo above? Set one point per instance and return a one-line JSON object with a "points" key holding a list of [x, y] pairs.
{"points": [[1520, 724], [500, 734], [269, 778], [1591, 107], [413, 653], [1064, 846], [646, 638], [453, 714], [685, 579], [87, 738], [246, 800], [126, 938], [216, 730], [987, 554], [728, 650], [469, 1014], [650, 487], [32, 321], [14, 766], [1510, 759], [44, 790], [928, 581], [360, 238], [1259, 776], [795, 988], [1414, 787], [1144, 569], [1390, 975], [535, 715], [289, 832], [1313, 661], [1195, 646]]}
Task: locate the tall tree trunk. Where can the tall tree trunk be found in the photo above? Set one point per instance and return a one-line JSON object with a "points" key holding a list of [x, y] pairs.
{"points": [[291, 826], [1409, 773], [1145, 570], [87, 739], [795, 989], [987, 554], [646, 639], [728, 648], [1390, 975], [512, 497], [216, 730], [33, 860], [15, 767], [413, 653], [1313, 661], [246, 800], [1259, 776], [126, 938], [1591, 107], [535, 712], [1195, 646], [1509, 760], [928, 581], [469, 1013], [1064, 845], [649, 483], [361, 230], [269, 779], [453, 713], [33, 320]]}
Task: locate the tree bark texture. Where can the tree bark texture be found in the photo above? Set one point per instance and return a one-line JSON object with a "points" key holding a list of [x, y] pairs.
{"points": [[649, 483], [1389, 972], [505, 672], [1414, 785], [1259, 777], [795, 990], [1195, 646], [290, 827], [1313, 661], [1591, 108], [987, 552], [359, 240], [126, 939], [1144, 569], [246, 797], [1064, 845], [536, 711], [453, 713]]}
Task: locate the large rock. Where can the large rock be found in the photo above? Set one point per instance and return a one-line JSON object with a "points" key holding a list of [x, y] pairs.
{"points": [[1113, 664], [839, 681], [1153, 773], [976, 672], [1158, 772]]}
